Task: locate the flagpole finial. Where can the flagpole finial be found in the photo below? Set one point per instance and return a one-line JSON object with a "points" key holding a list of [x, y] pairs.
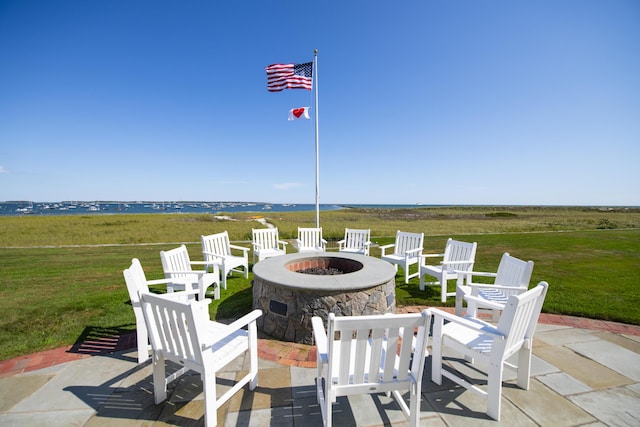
{"points": [[315, 51]]}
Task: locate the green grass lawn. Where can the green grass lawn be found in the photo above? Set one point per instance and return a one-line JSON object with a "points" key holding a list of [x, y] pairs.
{"points": [[57, 284]]}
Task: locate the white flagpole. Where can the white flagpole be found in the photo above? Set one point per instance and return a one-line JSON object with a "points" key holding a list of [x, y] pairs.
{"points": [[315, 87]]}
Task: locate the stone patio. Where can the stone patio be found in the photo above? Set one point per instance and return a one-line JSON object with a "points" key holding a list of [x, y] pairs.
{"points": [[580, 376]]}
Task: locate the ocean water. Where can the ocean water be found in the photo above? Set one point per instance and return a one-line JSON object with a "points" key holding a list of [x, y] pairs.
{"points": [[18, 208]]}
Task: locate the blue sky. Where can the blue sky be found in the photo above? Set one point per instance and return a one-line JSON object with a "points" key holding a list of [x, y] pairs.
{"points": [[434, 102]]}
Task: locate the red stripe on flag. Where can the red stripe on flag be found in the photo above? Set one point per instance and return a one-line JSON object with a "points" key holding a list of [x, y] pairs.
{"points": [[289, 76]]}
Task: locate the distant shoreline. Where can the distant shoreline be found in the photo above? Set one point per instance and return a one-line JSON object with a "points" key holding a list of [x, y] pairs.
{"points": [[28, 208]]}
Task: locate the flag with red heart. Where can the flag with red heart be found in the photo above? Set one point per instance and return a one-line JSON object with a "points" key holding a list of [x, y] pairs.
{"points": [[299, 113]]}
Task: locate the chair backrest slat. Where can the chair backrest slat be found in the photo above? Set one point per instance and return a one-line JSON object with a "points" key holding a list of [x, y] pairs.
{"points": [[356, 238], [377, 351], [376, 347], [513, 271], [310, 237], [461, 254], [520, 316], [390, 350], [267, 238], [407, 241], [176, 260], [362, 336], [345, 358], [174, 331], [217, 244]]}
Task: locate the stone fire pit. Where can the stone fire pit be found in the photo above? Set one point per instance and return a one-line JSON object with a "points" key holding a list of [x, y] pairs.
{"points": [[289, 299]]}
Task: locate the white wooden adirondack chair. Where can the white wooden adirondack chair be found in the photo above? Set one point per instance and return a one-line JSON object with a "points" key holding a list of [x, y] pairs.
{"points": [[487, 346], [406, 252], [371, 354], [177, 268], [457, 256], [310, 240], [217, 250], [137, 283], [266, 243], [512, 278], [355, 241], [182, 333]]}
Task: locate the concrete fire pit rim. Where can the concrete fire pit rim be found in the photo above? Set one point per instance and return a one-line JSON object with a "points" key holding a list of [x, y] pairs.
{"points": [[373, 273]]}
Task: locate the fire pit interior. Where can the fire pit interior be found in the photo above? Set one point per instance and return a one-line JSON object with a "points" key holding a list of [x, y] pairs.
{"points": [[289, 298], [324, 266]]}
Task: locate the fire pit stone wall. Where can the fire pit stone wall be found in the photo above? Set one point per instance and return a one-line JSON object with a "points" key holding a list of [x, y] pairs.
{"points": [[289, 299]]}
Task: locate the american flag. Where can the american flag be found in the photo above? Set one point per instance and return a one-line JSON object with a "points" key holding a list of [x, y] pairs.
{"points": [[289, 76]]}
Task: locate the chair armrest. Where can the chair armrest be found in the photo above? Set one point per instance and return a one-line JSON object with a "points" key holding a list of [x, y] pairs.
{"points": [[492, 286], [423, 257], [240, 248], [478, 273], [475, 324], [199, 263], [431, 255], [341, 242], [232, 327], [320, 336], [413, 252], [192, 272], [256, 246], [211, 254], [456, 262], [384, 247], [186, 296], [158, 282], [245, 320], [446, 265], [282, 242], [483, 302], [467, 275]]}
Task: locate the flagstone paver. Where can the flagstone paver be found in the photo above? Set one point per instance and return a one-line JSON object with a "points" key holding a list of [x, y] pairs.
{"points": [[545, 408], [615, 407], [583, 369], [619, 359], [563, 383]]}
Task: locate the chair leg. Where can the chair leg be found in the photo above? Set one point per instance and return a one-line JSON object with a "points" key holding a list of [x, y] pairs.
{"points": [[202, 287], [524, 367], [210, 410], [223, 274], [253, 355], [436, 351], [328, 408], [459, 300], [414, 406], [494, 389], [159, 380], [323, 402], [143, 342], [472, 309]]}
